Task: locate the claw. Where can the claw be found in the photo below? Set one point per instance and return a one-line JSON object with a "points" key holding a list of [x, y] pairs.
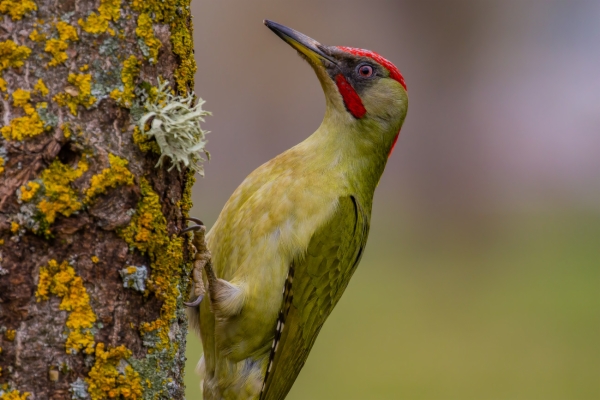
{"points": [[194, 303], [196, 220], [190, 228], [197, 227]]}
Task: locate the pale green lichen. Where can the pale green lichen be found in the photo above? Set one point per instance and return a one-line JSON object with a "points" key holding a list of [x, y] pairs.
{"points": [[174, 122], [79, 390], [61, 280], [134, 277], [17, 8]]}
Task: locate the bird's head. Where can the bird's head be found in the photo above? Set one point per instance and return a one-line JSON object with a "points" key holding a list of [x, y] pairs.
{"points": [[361, 87]]}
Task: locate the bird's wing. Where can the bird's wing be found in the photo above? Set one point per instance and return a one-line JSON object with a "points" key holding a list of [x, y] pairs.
{"points": [[314, 286]]}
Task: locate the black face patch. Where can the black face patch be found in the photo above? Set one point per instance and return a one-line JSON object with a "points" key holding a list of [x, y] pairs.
{"points": [[348, 65]]}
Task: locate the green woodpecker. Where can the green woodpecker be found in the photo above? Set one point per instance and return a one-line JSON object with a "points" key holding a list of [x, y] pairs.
{"points": [[291, 235]]}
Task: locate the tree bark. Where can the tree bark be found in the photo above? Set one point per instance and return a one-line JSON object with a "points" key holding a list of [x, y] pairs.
{"points": [[92, 269]]}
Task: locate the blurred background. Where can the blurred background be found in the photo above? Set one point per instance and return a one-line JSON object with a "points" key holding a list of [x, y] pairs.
{"points": [[482, 274]]}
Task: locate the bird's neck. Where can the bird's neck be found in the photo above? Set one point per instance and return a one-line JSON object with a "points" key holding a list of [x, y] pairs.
{"points": [[355, 149]]}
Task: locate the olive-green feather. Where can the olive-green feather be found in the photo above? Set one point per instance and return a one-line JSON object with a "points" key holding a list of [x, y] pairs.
{"points": [[319, 279]]}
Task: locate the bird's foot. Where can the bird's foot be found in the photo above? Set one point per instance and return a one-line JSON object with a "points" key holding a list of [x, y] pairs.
{"points": [[201, 258]]}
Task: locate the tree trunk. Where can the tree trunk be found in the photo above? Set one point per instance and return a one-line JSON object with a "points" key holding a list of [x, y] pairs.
{"points": [[92, 269]]}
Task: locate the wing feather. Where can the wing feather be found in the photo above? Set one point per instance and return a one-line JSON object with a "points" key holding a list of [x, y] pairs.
{"points": [[319, 280]]}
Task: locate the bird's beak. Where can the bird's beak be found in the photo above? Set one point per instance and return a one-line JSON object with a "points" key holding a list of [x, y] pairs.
{"points": [[304, 44]]}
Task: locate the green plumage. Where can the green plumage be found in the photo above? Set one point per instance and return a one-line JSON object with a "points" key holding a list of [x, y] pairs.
{"points": [[290, 237], [320, 278]]}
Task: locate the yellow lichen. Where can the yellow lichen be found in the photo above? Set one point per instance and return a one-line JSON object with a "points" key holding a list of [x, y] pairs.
{"points": [[66, 128], [116, 175], [22, 127], [78, 94], [61, 280], [41, 87], [11, 55], [14, 227], [59, 197], [21, 99], [57, 47], [17, 8], [37, 36], [144, 142], [29, 125], [105, 381], [27, 192], [179, 20], [147, 232], [131, 69], [95, 259], [98, 23], [84, 68], [1, 165], [14, 395], [145, 31], [66, 31], [10, 334]]}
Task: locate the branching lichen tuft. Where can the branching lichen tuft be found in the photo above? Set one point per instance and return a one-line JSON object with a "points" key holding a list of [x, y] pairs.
{"points": [[174, 122], [62, 281], [78, 94], [108, 378], [116, 175], [17, 8]]}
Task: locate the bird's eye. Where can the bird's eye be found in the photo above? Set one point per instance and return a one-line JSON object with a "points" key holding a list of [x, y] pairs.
{"points": [[365, 70]]}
